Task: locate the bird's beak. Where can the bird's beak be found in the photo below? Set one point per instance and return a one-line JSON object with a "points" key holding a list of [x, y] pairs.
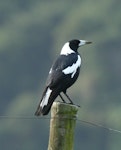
{"points": [[88, 42], [83, 42]]}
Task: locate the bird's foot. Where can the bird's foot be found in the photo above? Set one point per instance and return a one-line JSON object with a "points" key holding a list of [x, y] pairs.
{"points": [[75, 104]]}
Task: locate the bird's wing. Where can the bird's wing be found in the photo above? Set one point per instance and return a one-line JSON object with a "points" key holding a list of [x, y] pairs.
{"points": [[56, 73]]}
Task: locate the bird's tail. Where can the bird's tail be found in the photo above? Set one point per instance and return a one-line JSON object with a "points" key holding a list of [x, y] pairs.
{"points": [[46, 102]]}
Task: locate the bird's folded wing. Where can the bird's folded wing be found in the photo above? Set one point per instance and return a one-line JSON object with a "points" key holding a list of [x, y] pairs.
{"points": [[56, 73]]}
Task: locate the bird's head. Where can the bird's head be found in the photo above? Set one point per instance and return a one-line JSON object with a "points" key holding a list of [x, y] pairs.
{"points": [[75, 44], [72, 46]]}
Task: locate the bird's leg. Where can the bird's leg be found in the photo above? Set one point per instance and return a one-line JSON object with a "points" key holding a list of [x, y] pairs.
{"points": [[62, 98], [68, 98]]}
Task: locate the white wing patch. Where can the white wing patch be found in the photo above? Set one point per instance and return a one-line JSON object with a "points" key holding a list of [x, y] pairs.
{"points": [[72, 69], [50, 71], [45, 98]]}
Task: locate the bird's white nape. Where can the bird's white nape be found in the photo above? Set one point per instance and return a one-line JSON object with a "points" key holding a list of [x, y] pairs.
{"points": [[66, 50]]}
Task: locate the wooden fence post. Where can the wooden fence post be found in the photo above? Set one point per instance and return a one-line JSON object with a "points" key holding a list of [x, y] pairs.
{"points": [[62, 125]]}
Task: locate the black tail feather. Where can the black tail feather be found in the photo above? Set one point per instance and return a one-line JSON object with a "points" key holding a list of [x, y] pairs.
{"points": [[38, 111], [45, 110]]}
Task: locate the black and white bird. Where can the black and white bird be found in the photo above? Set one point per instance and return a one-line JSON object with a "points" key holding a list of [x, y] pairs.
{"points": [[63, 73]]}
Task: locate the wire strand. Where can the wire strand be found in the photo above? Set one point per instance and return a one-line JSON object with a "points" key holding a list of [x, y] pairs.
{"points": [[100, 126], [47, 118]]}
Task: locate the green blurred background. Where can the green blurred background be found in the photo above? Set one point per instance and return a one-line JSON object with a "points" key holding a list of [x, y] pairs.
{"points": [[32, 34]]}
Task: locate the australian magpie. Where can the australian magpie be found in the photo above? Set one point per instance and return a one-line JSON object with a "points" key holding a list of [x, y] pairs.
{"points": [[63, 73]]}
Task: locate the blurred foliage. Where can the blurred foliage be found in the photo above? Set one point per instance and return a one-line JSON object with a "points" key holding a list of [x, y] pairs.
{"points": [[31, 36]]}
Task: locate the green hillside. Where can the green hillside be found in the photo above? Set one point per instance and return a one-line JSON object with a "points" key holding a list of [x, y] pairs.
{"points": [[32, 34]]}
